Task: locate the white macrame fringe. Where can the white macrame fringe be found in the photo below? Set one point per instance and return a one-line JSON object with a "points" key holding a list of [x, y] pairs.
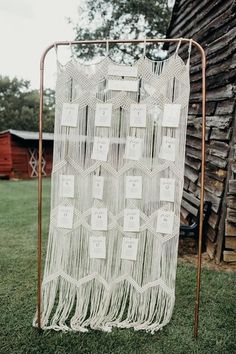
{"points": [[79, 293]]}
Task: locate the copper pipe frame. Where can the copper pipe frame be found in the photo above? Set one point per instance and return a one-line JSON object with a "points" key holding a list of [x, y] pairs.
{"points": [[39, 242]]}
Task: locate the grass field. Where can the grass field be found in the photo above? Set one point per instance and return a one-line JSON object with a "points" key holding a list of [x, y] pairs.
{"points": [[18, 229]]}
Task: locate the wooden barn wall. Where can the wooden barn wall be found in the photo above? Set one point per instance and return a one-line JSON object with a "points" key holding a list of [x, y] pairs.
{"points": [[20, 156], [212, 24], [5, 155]]}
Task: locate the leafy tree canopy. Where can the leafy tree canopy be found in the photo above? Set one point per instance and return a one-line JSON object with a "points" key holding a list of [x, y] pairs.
{"points": [[19, 106], [101, 19]]}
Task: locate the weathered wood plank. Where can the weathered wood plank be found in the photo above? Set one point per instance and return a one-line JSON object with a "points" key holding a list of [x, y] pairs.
{"points": [[184, 20], [220, 122], [187, 206], [232, 186], [231, 201], [218, 134], [220, 93], [191, 198], [212, 185], [186, 183], [196, 154], [195, 164], [218, 148], [229, 256], [225, 107], [231, 215], [217, 161], [194, 142], [213, 220], [195, 108], [215, 172], [197, 132], [230, 229], [192, 187], [216, 201], [210, 248], [230, 242], [211, 233], [219, 75], [191, 174], [233, 167], [184, 214], [215, 60]]}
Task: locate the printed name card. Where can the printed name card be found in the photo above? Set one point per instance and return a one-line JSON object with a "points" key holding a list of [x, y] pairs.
{"points": [[103, 114], [97, 247], [67, 186], [167, 189], [133, 148], [171, 115], [100, 148], [138, 115], [99, 219], [131, 220], [70, 114], [123, 85], [129, 248], [165, 221], [133, 187], [98, 183], [168, 147], [65, 217], [123, 70]]}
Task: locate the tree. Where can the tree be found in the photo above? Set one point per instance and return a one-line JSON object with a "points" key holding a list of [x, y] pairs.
{"points": [[19, 106], [115, 19]]}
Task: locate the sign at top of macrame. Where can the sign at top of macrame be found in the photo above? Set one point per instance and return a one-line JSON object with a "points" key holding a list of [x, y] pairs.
{"points": [[117, 184]]}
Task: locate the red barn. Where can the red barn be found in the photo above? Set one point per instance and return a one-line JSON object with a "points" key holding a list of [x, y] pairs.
{"points": [[19, 154]]}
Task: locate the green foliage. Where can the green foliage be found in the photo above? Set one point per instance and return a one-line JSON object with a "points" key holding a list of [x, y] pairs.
{"points": [[19, 106], [115, 19], [18, 220]]}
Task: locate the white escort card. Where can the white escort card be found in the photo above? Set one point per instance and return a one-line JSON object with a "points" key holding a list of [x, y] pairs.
{"points": [[65, 217], [133, 187], [97, 247], [131, 220], [123, 70], [100, 148], [103, 114], [129, 248], [168, 147], [98, 183], [165, 221], [167, 189], [171, 115], [67, 183], [123, 85], [70, 114], [133, 148], [138, 114], [99, 219]]}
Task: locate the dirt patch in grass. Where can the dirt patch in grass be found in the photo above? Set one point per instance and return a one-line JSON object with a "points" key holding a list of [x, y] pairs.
{"points": [[207, 262]]}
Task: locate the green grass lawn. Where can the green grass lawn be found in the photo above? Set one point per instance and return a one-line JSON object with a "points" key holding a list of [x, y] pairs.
{"points": [[18, 232]]}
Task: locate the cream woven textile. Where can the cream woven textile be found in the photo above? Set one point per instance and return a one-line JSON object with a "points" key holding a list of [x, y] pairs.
{"points": [[117, 182]]}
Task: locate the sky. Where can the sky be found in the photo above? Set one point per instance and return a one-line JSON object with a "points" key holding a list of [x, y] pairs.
{"points": [[27, 27]]}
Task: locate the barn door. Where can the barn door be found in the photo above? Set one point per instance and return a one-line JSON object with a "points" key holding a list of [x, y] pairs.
{"points": [[33, 163]]}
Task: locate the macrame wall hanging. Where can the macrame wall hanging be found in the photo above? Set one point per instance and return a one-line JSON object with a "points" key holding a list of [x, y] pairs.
{"points": [[117, 182]]}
